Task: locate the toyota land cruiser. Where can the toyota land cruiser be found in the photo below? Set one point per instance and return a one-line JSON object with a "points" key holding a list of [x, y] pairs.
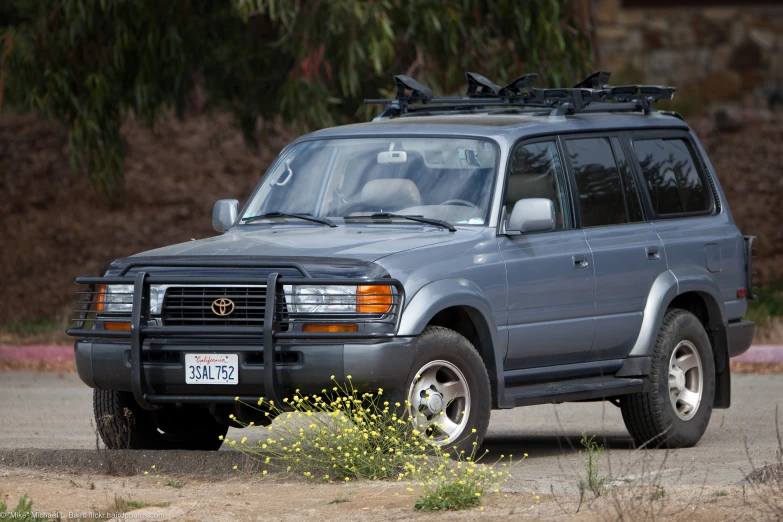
{"points": [[509, 247]]}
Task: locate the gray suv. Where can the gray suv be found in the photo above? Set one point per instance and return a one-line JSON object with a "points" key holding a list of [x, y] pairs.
{"points": [[510, 247]]}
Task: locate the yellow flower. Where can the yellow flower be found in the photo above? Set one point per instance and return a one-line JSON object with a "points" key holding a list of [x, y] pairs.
{"points": [[348, 377], [473, 430], [332, 377], [153, 466], [525, 454], [220, 437], [236, 398], [264, 472], [481, 508], [478, 494], [244, 439], [146, 472], [235, 467]]}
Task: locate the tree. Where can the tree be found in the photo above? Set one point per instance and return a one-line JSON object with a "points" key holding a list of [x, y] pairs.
{"points": [[88, 63]]}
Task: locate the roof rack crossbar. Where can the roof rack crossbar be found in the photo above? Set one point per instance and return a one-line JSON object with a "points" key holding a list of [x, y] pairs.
{"points": [[482, 93]]}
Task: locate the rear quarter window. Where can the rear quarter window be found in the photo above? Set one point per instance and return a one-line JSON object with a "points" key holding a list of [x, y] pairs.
{"points": [[674, 182]]}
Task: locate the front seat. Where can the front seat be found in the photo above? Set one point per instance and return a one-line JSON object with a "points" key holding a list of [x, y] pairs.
{"points": [[389, 194]]}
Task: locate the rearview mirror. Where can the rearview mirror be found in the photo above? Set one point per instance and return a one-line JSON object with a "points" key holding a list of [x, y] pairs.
{"points": [[532, 215], [392, 156], [224, 214]]}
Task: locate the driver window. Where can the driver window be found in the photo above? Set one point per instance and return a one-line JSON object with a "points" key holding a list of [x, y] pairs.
{"points": [[537, 172]]}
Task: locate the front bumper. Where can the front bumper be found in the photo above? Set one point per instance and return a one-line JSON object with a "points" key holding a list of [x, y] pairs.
{"points": [[308, 367], [147, 358]]}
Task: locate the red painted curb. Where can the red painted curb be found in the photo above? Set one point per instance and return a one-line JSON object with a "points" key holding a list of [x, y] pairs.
{"points": [[36, 352], [762, 353]]}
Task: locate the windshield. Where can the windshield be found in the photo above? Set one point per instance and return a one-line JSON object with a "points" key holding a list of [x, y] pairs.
{"points": [[439, 178]]}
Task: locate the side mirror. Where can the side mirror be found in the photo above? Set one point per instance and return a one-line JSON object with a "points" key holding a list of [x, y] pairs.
{"points": [[532, 215], [224, 214]]}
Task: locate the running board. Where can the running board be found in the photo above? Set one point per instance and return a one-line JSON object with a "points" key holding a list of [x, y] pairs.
{"points": [[573, 390]]}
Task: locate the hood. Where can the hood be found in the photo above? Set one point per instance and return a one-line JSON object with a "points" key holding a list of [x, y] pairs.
{"points": [[362, 242]]}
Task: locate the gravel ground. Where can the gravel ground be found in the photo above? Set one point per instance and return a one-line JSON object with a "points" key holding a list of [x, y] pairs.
{"points": [[54, 411]]}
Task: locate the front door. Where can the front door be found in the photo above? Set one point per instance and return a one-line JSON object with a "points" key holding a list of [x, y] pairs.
{"points": [[551, 282]]}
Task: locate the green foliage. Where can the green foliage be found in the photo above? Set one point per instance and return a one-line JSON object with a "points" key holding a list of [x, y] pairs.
{"points": [[23, 511], [594, 481], [89, 63], [768, 302]]}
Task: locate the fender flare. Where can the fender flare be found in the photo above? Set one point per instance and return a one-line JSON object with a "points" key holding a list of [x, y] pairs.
{"points": [[448, 293], [665, 288]]}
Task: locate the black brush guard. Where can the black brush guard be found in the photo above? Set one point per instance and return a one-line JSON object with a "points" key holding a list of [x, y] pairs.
{"points": [[140, 328]]}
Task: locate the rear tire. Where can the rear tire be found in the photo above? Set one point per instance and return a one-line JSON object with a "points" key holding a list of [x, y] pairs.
{"points": [[448, 365], [123, 424], [677, 409]]}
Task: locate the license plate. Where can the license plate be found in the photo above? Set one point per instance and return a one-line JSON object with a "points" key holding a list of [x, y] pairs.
{"points": [[211, 368]]}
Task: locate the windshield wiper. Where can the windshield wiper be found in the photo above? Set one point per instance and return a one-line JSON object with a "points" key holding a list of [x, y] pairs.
{"points": [[306, 217], [419, 219]]}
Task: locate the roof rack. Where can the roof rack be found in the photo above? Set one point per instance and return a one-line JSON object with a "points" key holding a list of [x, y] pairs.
{"points": [[414, 97]]}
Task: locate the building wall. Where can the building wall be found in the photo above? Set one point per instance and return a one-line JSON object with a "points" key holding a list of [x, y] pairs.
{"points": [[729, 54]]}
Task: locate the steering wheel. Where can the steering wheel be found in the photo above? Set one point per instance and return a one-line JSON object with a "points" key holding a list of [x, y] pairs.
{"points": [[462, 203]]}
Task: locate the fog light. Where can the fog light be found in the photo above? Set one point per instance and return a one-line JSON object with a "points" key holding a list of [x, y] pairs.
{"points": [[330, 328], [117, 327]]}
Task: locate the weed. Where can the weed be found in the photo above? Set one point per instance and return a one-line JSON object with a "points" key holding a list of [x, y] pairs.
{"points": [[341, 500], [174, 483], [720, 493], [92, 485], [658, 494], [594, 481], [460, 485], [123, 505], [343, 434], [23, 511]]}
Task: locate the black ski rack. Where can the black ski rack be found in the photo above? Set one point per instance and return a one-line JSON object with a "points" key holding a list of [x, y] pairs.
{"points": [[415, 98]]}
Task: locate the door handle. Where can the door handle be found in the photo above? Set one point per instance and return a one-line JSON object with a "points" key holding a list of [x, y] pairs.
{"points": [[653, 253], [580, 261]]}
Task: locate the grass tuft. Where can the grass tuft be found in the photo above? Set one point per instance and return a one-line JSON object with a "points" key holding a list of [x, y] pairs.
{"points": [[123, 505], [594, 481]]}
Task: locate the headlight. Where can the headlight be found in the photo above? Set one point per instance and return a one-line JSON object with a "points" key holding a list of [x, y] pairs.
{"points": [[115, 298], [119, 299], [339, 298]]}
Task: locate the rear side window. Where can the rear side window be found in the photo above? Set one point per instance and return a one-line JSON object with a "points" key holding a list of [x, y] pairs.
{"points": [[674, 182], [598, 182]]}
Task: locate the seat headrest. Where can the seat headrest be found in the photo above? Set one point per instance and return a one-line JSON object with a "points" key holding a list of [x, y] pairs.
{"points": [[391, 193]]}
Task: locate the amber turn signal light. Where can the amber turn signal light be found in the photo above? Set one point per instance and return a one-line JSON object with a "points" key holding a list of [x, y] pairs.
{"points": [[100, 298], [117, 327], [330, 328], [374, 299]]}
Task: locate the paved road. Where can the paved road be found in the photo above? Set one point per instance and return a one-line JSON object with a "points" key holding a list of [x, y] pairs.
{"points": [[50, 411]]}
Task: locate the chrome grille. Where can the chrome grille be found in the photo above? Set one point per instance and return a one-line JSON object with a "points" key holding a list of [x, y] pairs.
{"points": [[192, 306]]}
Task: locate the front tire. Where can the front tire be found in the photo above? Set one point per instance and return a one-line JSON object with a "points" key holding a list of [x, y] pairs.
{"points": [[677, 409], [123, 424], [448, 391]]}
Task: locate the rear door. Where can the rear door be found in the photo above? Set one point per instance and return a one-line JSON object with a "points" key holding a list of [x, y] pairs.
{"points": [[684, 210], [551, 283], [627, 253]]}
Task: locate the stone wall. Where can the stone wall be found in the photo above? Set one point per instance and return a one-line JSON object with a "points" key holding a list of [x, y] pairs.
{"points": [[716, 56]]}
